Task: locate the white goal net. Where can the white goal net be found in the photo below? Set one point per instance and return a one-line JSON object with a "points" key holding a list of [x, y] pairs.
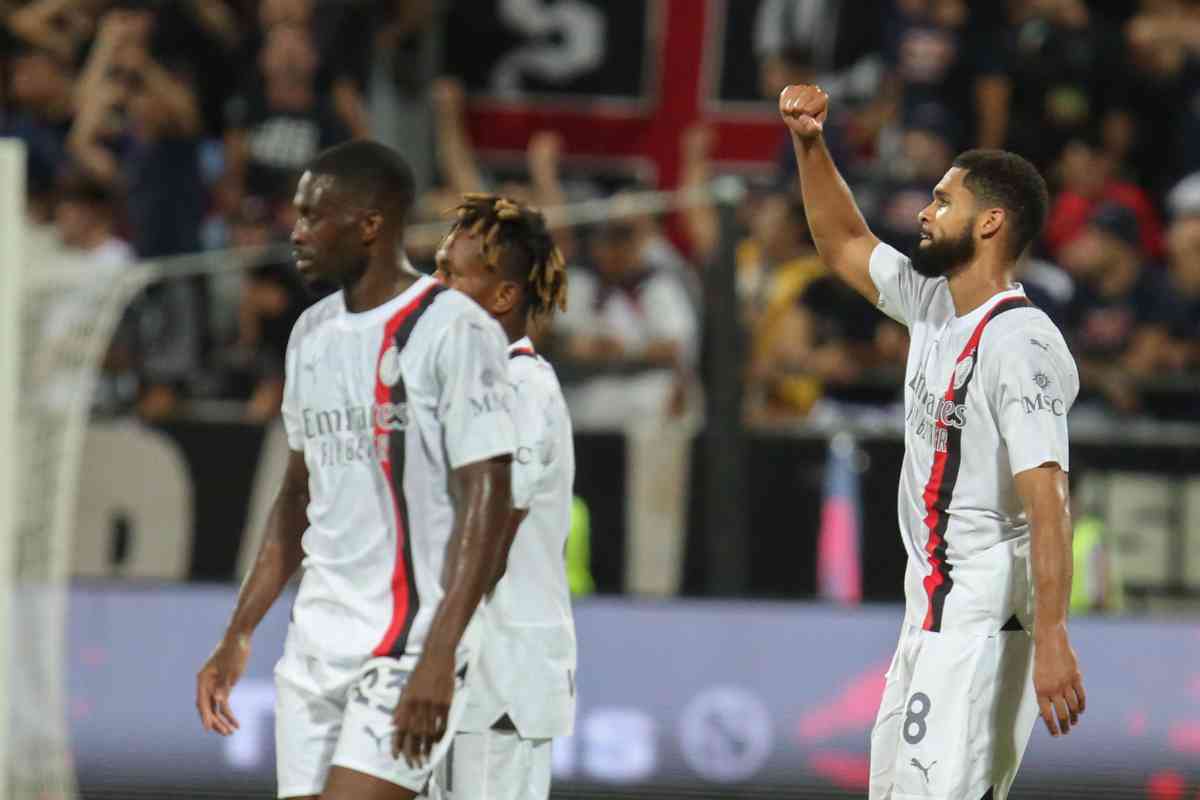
{"points": [[58, 316]]}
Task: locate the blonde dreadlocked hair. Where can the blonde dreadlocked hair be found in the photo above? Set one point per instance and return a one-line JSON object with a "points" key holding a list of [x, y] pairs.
{"points": [[515, 240]]}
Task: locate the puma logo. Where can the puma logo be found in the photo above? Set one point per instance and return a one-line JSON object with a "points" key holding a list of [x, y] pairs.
{"points": [[1036, 343], [380, 738], [924, 769]]}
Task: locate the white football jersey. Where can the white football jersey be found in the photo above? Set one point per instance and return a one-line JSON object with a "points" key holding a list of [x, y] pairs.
{"points": [[527, 663], [384, 404], [986, 397]]}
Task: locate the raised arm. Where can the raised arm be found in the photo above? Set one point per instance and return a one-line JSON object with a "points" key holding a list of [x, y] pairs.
{"points": [[455, 153], [544, 157], [837, 226], [1056, 676], [84, 140], [56, 25], [279, 557], [700, 222], [176, 97]]}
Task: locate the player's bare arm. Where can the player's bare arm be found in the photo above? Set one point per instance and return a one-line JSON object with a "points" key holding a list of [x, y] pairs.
{"points": [[482, 498], [1056, 676], [279, 557], [837, 226]]}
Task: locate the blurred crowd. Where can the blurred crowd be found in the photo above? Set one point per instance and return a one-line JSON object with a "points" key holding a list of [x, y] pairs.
{"points": [[157, 129]]}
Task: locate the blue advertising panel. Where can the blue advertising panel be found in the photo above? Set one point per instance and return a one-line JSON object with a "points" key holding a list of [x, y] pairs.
{"points": [[711, 695]]}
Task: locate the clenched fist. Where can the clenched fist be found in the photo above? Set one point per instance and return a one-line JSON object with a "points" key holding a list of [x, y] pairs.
{"points": [[804, 109]]}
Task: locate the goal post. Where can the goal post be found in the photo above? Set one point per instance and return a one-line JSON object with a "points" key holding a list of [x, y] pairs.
{"points": [[12, 269]]}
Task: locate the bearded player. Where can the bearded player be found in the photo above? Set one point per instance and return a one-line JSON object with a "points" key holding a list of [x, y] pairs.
{"points": [[983, 504], [396, 499], [500, 254]]}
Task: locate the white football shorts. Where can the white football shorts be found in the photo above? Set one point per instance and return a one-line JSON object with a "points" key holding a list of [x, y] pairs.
{"points": [[494, 765], [328, 715], [956, 715]]}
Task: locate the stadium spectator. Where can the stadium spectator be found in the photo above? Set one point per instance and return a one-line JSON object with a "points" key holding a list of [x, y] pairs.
{"points": [[210, 37], [403, 64], [39, 113], [280, 120], [460, 172], [1183, 247], [1088, 179], [775, 262], [269, 299], [85, 216], [936, 56], [137, 129], [1122, 311], [60, 27], [1165, 42], [634, 329], [1049, 286], [894, 193], [1073, 75], [820, 358], [344, 51], [841, 44]]}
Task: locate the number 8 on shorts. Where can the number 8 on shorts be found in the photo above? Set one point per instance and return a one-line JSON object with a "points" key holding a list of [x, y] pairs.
{"points": [[914, 719]]}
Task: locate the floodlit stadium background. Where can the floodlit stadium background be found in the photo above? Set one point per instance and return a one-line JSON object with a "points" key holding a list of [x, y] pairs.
{"points": [[734, 554]]}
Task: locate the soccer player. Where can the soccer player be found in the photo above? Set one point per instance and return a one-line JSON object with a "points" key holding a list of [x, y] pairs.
{"points": [[396, 499], [500, 254], [983, 489]]}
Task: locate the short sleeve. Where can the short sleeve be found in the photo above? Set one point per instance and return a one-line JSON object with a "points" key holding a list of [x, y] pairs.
{"points": [[475, 396], [529, 417], [291, 406], [1034, 384], [900, 286]]}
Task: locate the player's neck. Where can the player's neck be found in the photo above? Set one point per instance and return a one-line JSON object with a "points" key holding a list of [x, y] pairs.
{"points": [[515, 327], [382, 281], [982, 280]]}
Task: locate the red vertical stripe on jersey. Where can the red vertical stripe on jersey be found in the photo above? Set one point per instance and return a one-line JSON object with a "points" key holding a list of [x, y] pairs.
{"points": [[404, 600], [944, 474]]}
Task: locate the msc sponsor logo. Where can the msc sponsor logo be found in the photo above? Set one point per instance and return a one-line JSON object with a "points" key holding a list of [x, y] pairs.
{"points": [[488, 403], [1044, 402]]}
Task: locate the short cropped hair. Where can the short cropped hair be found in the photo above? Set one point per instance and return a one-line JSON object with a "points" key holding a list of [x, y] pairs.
{"points": [[1006, 180], [375, 173]]}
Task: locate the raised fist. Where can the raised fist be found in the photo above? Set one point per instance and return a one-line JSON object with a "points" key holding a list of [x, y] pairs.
{"points": [[804, 109]]}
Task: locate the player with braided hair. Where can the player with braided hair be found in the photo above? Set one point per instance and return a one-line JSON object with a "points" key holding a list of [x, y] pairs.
{"points": [[500, 253], [515, 247]]}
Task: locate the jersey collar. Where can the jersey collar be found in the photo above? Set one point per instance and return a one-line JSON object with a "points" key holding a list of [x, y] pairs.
{"points": [[522, 345]]}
